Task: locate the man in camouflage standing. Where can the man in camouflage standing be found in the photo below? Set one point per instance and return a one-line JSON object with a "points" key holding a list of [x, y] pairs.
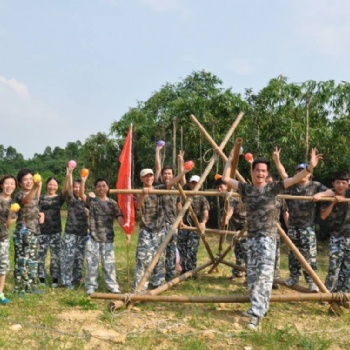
{"points": [[172, 206], [301, 225], [102, 211], [74, 238], [152, 228], [260, 203], [188, 241]]}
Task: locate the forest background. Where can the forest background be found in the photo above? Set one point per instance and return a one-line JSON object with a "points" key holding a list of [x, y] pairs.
{"points": [[293, 116]]}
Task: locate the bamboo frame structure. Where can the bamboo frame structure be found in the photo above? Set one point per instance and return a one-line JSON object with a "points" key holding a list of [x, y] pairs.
{"points": [[335, 299], [175, 225]]}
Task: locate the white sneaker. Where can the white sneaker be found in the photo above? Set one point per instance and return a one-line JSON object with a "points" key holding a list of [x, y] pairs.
{"points": [[115, 291], [90, 291], [254, 323], [54, 285], [291, 281], [313, 287]]}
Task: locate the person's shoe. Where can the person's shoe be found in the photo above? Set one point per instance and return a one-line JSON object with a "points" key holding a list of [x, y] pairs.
{"points": [[115, 291], [253, 323], [291, 281], [3, 299], [90, 291], [69, 286], [37, 291], [275, 286], [313, 287], [54, 283]]}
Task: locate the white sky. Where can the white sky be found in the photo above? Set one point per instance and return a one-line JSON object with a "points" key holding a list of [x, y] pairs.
{"points": [[70, 68]]}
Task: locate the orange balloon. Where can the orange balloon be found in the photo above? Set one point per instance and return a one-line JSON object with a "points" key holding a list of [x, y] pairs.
{"points": [[248, 156], [189, 165], [84, 172]]}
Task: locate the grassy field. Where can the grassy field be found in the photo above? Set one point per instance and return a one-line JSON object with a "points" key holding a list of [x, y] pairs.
{"points": [[63, 319]]}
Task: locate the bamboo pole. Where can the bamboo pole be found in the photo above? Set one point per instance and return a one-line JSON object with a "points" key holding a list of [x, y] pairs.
{"points": [[212, 231], [118, 304], [281, 298], [217, 149], [307, 267], [228, 249], [217, 194], [234, 163]]}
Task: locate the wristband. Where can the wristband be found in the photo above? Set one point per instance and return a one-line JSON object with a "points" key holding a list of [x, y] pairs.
{"points": [[310, 171]]}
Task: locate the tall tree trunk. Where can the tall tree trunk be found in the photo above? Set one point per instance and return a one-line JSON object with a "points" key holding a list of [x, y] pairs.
{"points": [[174, 146], [307, 127]]}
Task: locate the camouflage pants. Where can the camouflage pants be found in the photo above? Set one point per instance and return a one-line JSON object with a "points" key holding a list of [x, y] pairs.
{"points": [[26, 263], [170, 256], [305, 240], [261, 262], [52, 242], [188, 244], [72, 258], [147, 246], [4, 256], [240, 252], [93, 252], [338, 277], [278, 258]]}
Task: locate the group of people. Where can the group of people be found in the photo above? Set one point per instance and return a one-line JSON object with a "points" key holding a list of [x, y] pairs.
{"points": [[89, 234], [263, 209]]}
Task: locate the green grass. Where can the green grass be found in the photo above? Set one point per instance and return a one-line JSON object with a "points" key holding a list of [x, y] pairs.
{"points": [[62, 319]]}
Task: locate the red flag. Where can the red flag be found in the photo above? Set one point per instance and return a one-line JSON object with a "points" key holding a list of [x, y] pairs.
{"points": [[126, 201]]}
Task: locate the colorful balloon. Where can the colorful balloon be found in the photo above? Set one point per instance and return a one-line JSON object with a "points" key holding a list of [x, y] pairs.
{"points": [[72, 164]]}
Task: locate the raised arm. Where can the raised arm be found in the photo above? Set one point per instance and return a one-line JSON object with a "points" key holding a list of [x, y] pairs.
{"points": [[301, 174], [180, 165], [276, 157], [227, 172], [68, 182], [177, 178], [82, 194], [157, 163]]}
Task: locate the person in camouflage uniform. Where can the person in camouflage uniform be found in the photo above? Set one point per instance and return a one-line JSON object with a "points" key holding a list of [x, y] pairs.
{"points": [[74, 238], [282, 209], [301, 228], [25, 241], [102, 211], [172, 206], [152, 229], [188, 241], [50, 232], [338, 212], [260, 201], [236, 218], [8, 184]]}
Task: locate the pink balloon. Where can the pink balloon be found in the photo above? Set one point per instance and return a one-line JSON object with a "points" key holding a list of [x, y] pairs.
{"points": [[72, 164]]}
